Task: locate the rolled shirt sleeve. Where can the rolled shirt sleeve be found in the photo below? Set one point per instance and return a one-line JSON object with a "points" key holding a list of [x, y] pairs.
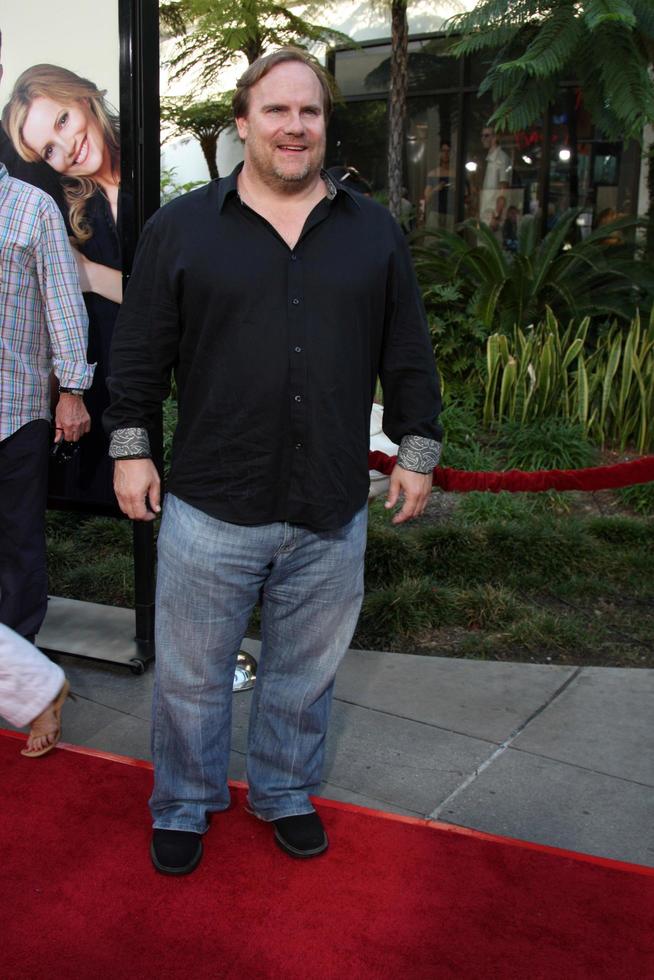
{"points": [[63, 304]]}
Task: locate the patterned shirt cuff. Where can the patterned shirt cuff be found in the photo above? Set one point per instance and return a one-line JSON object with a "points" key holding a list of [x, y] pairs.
{"points": [[129, 444], [418, 454], [79, 378]]}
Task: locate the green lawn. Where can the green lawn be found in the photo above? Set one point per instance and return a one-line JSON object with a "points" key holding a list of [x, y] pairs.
{"points": [[544, 578]]}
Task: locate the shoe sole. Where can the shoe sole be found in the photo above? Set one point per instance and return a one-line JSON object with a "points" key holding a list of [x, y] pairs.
{"points": [[185, 870], [296, 852]]}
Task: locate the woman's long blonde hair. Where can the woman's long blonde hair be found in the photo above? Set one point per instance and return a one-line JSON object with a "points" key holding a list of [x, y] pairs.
{"points": [[64, 86]]}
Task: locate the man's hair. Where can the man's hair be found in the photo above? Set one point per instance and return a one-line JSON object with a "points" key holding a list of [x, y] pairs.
{"points": [[259, 68]]}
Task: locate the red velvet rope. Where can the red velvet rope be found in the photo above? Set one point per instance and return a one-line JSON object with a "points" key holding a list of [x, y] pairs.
{"points": [[516, 481]]}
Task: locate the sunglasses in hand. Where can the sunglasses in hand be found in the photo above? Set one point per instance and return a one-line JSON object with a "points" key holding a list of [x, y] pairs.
{"points": [[63, 451]]}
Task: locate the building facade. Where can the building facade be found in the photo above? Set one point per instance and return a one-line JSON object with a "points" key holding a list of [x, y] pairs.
{"points": [[455, 165]]}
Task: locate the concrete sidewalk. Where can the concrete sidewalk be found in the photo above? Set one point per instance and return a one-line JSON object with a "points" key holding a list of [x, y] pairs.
{"points": [[558, 755]]}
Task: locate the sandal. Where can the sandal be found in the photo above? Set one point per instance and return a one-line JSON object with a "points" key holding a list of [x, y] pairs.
{"points": [[46, 729]]}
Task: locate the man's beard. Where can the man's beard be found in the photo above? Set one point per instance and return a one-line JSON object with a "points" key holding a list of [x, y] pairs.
{"points": [[295, 178], [284, 180]]}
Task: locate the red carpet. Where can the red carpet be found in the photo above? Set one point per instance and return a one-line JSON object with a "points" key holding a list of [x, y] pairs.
{"points": [[393, 898]]}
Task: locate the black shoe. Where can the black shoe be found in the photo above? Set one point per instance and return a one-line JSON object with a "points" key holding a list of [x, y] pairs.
{"points": [[175, 852], [302, 836]]}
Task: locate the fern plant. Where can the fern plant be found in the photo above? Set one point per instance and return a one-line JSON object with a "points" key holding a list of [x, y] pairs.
{"points": [[212, 35], [458, 335], [607, 45]]}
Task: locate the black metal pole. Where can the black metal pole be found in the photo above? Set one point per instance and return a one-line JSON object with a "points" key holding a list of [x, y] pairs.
{"points": [[139, 96]]}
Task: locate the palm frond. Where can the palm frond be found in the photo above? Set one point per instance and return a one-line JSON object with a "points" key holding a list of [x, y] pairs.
{"points": [[644, 11], [528, 101], [492, 13], [625, 77], [489, 38], [551, 246], [552, 47], [608, 44], [600, 12]]}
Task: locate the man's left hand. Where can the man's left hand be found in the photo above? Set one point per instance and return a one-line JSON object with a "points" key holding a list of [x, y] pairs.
{"points": [[415, 488], [72, 420]]}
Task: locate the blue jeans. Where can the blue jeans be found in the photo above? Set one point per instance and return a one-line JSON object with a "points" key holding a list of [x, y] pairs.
{"points": [[210, 575]]}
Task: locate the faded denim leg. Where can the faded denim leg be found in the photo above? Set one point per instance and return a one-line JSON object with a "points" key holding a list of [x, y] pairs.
{"points": [[311, 603], [209, 577]]}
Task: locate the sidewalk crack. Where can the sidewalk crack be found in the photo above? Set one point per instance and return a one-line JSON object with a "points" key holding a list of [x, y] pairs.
{"points": [[501, 749]]}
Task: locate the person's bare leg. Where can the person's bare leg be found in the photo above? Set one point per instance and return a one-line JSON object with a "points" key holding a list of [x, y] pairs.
{"points": [[32, 690], [45, 729]]}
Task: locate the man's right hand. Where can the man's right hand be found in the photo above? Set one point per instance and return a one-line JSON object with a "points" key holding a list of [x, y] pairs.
{"points": [[137, 484], [72, 420]]}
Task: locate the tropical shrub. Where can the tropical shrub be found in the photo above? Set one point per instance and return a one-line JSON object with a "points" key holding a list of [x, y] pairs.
{"points": [[498, 290], [607, 387], [546, 444], [458, 337]]}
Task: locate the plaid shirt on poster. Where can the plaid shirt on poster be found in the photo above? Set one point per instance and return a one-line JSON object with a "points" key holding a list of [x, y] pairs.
{"points": [[43, 321]]}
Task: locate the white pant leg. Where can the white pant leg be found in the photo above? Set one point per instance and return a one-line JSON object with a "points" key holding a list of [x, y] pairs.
{"points": [[28, 680]]}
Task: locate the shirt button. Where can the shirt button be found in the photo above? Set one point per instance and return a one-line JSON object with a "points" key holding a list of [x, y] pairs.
{"points": [[293, 257], [298, 350], [298, 398], [298, 445], [296, 302]]}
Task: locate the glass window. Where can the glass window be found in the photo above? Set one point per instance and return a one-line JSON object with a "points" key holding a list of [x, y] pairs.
{"points": [[504, 175], [501, 172], [358, 72], [432, 142], [367, 70], [587, 171], [429, 68], [563, 191], [357, 137]]}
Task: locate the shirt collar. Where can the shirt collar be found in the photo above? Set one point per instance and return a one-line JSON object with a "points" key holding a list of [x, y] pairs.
{"points": [[229, 185], [3, 171]]}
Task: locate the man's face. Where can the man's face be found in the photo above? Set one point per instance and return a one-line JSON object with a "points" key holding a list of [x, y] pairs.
{"points": [[487, 135], [284, 130]]}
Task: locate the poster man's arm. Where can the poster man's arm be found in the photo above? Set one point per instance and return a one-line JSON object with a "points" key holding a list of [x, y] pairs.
{"points": [[67, 322]]}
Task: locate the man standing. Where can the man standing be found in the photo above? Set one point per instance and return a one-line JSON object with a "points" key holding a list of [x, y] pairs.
{"points": [[498, 172], [43, 328], [278, 297]]}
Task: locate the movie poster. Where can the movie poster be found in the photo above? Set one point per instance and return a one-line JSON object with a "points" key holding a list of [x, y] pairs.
{"points": [[61, 85]]}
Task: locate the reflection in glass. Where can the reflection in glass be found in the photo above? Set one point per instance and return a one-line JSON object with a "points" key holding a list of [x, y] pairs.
{"points": [[432, 141], [533, 175], [357, 137]]}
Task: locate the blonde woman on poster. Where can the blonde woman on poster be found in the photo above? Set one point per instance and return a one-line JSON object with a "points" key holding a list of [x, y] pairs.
{"points": [[57, 117]]}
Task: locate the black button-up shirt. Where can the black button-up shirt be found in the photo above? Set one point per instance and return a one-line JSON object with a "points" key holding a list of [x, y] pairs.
{"points": [[276, 352]]}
